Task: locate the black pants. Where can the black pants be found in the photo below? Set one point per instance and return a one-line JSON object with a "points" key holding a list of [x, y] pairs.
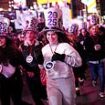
{"points": [[38, 92], [10, 88]]}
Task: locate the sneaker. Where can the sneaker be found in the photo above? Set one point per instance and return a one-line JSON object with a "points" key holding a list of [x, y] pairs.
{"points": [[94, 83], [77, 91], [101, 94]]}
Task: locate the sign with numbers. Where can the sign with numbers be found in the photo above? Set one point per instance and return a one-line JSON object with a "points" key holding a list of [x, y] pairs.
{"points": [[23, 18], [93, 19], [4, 23], [53, 17]]}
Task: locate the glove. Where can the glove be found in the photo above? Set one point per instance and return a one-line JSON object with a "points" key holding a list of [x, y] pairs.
{"points": [[59, 57]]}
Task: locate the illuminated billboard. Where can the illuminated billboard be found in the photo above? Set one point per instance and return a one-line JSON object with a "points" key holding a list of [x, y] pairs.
{"points": [[91, 5], [51, 1]]}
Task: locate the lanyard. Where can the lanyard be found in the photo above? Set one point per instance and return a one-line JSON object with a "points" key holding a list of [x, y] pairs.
{"points": [[53, 51]]}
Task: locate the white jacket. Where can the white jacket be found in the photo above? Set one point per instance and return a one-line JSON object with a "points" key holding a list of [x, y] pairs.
{"points": [[61, 69]]}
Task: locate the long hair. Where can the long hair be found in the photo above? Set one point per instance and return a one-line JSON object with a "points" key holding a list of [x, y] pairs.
{"points": [[62, 36]]}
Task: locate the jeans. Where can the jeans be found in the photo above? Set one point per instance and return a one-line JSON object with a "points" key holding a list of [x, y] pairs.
{"points": [[97, 70]]}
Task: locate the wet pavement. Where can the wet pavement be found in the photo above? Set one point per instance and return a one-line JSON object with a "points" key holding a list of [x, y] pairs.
{"points": [[88, 94]]}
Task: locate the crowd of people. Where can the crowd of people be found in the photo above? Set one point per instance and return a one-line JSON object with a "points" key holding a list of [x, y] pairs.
{"points": [[64, 55]]}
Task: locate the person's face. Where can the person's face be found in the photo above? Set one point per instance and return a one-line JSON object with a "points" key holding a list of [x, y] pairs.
{"points": [[83, 31], [30, 35], [94, 30], [2, 41], [52, 37], [21, 37]]}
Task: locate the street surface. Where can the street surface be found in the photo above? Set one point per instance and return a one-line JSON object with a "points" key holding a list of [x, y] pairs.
{"points": [[89, 94]]}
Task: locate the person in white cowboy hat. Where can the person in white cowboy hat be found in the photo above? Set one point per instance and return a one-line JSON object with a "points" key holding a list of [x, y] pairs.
{"points": [[59, 58], [31, 49]]}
